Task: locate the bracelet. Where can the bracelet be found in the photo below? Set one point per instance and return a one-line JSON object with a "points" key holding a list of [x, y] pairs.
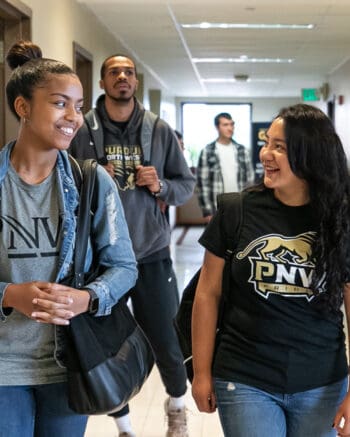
{"points": [[161, 186]]}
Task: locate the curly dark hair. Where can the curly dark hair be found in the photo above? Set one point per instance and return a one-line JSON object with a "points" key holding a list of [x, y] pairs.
{"points": [[30, 70], [316, 154]]}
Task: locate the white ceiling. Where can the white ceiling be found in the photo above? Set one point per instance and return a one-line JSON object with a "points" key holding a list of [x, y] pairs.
{"points": [[151, 32]]}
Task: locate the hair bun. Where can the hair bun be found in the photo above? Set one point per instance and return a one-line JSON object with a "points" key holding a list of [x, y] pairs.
{"points": [[21, 52]]}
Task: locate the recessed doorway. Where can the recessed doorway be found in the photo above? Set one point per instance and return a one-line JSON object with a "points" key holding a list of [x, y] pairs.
{"points": [[82, 64], [15, 20]]}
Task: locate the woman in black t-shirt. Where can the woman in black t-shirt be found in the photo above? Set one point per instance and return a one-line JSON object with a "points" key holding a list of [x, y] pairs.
{"points": [[280, 367]]}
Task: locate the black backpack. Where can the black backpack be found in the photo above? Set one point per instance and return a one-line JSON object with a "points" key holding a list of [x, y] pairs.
{"points": [[231, 203]]}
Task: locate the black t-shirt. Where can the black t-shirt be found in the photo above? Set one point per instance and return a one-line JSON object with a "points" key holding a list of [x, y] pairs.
{"points": [[272, 337]]}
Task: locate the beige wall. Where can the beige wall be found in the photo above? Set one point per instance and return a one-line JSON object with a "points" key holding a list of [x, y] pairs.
{"points": [[56, 24], [340, 85]]}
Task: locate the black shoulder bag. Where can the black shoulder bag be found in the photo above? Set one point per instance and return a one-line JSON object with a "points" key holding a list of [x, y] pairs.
{"points": [[108, 358], [231, 203]]}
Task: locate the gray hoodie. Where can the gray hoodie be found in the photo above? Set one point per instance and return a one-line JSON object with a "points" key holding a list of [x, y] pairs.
{"points": [[148, 227]]}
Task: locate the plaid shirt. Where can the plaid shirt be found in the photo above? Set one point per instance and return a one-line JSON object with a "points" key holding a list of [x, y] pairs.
{"points": [[210, 182]]}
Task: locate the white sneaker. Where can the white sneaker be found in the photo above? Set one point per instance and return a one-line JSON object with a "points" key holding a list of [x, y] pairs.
{"points": [[177, 421]]}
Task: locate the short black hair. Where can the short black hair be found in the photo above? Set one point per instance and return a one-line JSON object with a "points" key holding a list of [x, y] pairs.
{"points": [[221, 115], [117, 55]]}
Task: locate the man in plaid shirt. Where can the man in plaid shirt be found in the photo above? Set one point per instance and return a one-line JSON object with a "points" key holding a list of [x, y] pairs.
{"points": [[223, 166]]}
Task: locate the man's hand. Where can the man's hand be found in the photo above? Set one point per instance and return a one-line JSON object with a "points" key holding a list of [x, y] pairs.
{"points": [[147, 177], [109, 169]]}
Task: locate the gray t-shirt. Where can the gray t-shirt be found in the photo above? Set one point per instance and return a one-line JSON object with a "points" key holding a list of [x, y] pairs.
{"points": [[30, 238]]}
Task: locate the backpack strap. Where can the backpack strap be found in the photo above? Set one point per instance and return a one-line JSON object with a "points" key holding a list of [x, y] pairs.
{"points": [[95, 129], [147, 129], [94, 126], [232, 206]]}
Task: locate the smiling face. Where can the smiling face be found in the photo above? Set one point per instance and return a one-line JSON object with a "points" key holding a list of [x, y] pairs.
{"points": [[54, 113], [119, 81], [278, 175]]}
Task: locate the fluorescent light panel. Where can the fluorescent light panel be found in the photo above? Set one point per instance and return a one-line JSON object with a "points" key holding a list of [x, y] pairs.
{"points": [[228, 80], [243, 60], [206, 25]]}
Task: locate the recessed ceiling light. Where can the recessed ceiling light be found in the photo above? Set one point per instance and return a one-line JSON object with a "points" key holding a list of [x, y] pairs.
{"points": [[232, 80], [243, 60], [206, 25]]}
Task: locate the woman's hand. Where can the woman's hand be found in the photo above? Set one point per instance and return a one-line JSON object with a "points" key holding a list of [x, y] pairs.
{"points": [[46, 302], [203, 393], [342, 418]]}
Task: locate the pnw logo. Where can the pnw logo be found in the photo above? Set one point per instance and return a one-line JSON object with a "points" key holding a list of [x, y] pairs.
{"points": [[26, 241], [281, 265]]}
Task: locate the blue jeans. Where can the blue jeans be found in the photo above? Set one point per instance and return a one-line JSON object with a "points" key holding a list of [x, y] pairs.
{"points": [[246, 411], [38, 410]]}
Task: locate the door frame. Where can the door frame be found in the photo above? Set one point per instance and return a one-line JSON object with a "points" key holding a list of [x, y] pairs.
{"points": [[83, 66], [17, 25]]}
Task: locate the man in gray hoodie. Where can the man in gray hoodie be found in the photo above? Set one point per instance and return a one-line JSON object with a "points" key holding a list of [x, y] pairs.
{"points": [[147, 168]]}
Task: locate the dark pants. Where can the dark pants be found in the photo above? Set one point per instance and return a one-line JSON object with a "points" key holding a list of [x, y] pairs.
{"points": [[155, 301]]}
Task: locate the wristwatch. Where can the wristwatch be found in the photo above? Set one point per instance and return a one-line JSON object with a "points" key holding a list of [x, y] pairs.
{"points": [[161, 186], [94, 301]]}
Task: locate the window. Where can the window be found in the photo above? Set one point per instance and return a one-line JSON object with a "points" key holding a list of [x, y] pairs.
{"points": [[199, 130]]}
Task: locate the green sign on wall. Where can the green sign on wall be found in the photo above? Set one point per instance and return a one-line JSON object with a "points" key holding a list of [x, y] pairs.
{"points": [[310, 94]]}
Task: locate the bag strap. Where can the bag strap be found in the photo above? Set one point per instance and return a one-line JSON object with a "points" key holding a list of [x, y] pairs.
{"points": [[76, 171], [87, 204], [95, 129], [148, 123], [232, 205]]}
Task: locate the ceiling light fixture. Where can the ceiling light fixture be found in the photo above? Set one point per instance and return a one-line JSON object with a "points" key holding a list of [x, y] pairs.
{"points": [[232, 80], [243, 60], [206, 25]]}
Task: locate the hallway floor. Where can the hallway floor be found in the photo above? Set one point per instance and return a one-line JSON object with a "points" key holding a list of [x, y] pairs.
{"points": [[147, 410]]}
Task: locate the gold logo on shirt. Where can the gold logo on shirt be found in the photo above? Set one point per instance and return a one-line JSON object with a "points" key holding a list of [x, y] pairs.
{"points": [[281, 265], [125, 159]]}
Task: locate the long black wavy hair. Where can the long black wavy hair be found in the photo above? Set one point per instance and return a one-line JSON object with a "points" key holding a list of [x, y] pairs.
{"points": [[316, 154]]}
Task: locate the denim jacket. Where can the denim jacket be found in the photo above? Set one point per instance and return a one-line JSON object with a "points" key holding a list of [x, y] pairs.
{"points": [[109, 232]]}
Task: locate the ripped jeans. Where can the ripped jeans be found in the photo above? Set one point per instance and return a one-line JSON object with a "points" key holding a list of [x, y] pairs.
{"points": [[246, 411]]}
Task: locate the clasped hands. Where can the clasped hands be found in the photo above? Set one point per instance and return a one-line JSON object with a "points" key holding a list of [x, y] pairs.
{"points": [[46, 302]]}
